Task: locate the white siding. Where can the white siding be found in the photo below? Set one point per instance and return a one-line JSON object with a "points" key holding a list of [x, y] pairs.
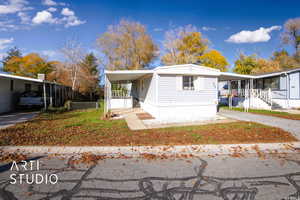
{"points": [[147, 91], [168, 92]]}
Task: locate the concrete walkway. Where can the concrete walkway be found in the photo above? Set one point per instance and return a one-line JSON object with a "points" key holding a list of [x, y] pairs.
{"points": [[133, 122], [11, 119], [292, 126]]}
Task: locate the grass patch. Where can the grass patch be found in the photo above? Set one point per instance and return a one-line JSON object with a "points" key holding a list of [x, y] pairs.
{"points": [[285, 115], [85, 128]]}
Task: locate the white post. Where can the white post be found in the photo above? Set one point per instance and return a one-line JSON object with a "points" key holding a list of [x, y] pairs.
{"points": [[45, 97], [270, 97], [288, 90], [51, 101], [229, 95], [107, 94], [250, 92], [239, 88]]}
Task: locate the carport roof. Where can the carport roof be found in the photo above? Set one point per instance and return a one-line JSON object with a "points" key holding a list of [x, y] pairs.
{"points": [[20, 78], [9, 76], [125, 75], [227, 76]]}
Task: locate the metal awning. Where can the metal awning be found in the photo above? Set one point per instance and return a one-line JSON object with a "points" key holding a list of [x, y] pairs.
{"points": [[228, 76], [126, 75]]}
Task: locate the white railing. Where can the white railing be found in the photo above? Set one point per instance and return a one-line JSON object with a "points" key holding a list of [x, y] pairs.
{"points": [[265, 95], [120, 93]]}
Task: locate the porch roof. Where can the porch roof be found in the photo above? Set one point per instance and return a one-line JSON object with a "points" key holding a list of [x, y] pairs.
{"points": [[228, 76], [126, 75]]}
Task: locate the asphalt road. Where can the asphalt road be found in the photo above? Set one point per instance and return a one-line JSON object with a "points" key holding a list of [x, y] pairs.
{"points": [[7, 120], [222, 177]]}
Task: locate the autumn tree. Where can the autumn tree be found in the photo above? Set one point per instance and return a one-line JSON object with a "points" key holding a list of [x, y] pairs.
{"points": [[30, 65], [285, 60], [265, 66], [214, 59], [89, 75], [291, 34], [12, 52], [183, 45], [74, 55], [245, 64], [127, 46]]}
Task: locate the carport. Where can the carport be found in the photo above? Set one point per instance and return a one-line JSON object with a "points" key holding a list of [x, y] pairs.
{"points": [[12, 86]]}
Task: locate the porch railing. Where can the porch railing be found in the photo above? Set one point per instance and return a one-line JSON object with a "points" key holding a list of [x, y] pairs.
{"points": [[265, 95], [120, 93]]}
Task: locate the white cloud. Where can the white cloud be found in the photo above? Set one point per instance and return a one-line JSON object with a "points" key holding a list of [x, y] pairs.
{"points": [[52, 9], [49, 3], [43, 17], [4, 42], [25, 18], [260, 35], [49, 53], [52, 3], [13, 6], [2, 56], [67, 12], [7, 25], [206, 28], [70, 18]]}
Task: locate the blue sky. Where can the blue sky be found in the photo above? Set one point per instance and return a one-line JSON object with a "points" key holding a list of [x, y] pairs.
{"points": [[43, 26]]}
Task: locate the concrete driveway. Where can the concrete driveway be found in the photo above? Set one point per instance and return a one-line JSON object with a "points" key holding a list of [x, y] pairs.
{"points": [[11, 119], [292, 126]]}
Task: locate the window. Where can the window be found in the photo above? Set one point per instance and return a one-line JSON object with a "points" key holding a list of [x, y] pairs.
{"points": [[27, 87], [188, 83], [273, 83], [12, 85]]}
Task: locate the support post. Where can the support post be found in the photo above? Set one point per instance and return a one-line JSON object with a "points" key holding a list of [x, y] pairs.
{"points": [[229, 95], [250, 91], [288, 89], [45, 96], [239, 88], [51, 98]]}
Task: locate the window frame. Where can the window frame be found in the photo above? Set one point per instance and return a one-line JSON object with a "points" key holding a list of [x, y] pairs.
{"points": [[190, 82]]}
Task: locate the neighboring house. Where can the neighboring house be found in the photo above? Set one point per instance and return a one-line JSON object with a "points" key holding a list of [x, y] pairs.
{"points": [[11, 88], [275, 90], [169, 93]]}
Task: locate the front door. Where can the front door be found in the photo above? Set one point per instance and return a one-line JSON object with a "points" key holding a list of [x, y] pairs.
{"points": [[295, 86]]}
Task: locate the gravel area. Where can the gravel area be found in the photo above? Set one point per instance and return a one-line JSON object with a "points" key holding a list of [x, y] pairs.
{"points": [[292, 126]]}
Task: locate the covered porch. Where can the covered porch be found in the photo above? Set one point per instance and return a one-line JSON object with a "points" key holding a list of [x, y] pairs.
{"points": [[243, 91], [122, 88]]}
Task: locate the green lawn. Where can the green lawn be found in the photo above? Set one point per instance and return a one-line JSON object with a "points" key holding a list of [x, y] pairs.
{"points": [[86, 128], [269, 112]]}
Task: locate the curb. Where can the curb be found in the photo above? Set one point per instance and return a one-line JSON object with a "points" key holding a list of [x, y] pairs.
{"points": [[196, 150]]}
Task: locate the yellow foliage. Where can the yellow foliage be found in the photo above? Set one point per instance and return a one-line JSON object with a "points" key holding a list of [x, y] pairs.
{"points": [[214, 59], [265, 66], [29, 65], [187, 48]]}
